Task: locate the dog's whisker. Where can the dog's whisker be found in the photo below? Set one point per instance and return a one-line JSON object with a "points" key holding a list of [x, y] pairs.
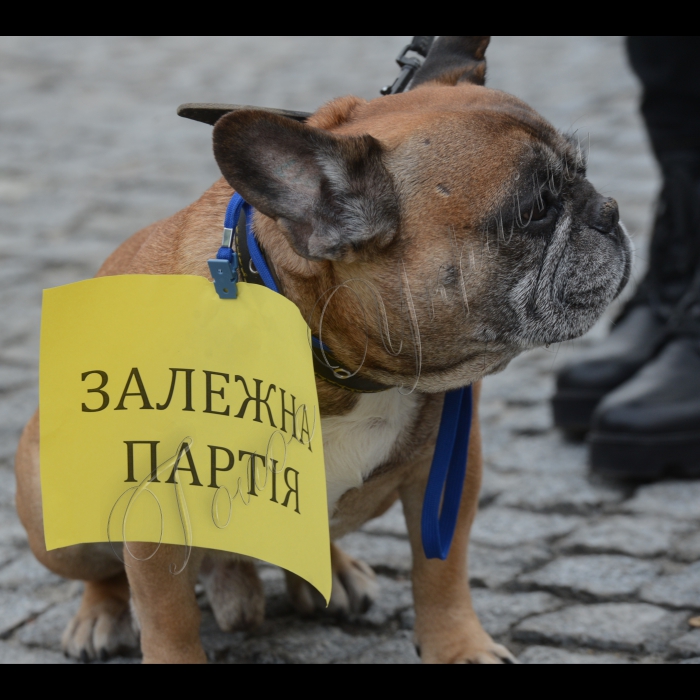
{"points": [[418, 351], [516, 206], [588, 150], [463, 284], [331, 293]]}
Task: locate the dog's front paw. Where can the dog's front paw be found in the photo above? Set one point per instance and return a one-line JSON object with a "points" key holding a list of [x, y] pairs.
{"points": [[475, 648], [99, 631], [354, 590]]}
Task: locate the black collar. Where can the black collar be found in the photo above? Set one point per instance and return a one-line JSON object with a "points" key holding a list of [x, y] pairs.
{"points": [[248, 273]]}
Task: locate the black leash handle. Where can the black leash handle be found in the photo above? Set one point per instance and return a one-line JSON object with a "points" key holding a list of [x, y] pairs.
{"points": [[421, 44], [409, 64]]}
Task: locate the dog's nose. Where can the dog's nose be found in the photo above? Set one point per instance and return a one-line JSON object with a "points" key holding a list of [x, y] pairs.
{"points": [[605, 215]]}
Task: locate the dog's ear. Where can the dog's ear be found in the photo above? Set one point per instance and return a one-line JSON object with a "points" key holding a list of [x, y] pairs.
{"points": [[454, 59], [331, 194]]}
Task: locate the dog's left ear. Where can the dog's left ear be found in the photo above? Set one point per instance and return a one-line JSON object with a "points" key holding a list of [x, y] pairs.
{"points": [[454, 59], [332, 195]]}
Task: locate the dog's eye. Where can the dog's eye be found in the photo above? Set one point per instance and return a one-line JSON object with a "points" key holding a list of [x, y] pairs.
{"points": [[537, 209]]}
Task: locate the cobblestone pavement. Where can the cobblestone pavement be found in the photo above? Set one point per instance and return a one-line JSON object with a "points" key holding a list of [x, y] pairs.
{"points": [[565, 568]]}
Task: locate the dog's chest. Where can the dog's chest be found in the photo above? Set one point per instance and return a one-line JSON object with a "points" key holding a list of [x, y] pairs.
{"points": [[355, 444]]}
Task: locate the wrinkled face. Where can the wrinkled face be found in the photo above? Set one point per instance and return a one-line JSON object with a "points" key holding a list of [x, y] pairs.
{"points": [[452, 226], [517, 247]]}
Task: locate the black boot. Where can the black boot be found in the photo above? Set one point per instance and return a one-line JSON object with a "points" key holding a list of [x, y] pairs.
{"points": [[650, 426], [641, 330]]}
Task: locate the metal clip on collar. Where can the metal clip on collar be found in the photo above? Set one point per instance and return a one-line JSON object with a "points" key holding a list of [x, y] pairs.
{"points": [[224, 268], [420, 45]]}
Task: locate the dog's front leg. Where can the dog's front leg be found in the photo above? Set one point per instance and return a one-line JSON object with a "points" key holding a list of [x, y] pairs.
{"points": [[447, 628], [165, 603]]}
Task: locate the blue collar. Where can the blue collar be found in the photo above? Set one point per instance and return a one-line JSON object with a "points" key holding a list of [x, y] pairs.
{"points": [[449, 466]]}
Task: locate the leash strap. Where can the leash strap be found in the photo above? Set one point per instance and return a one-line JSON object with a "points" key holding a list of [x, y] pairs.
{"points": [[449, 465], [409, 64], [447, 473], [256, 255]]}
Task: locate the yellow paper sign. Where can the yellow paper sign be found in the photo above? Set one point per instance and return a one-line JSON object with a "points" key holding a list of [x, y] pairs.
{"points": [[171, 415]]}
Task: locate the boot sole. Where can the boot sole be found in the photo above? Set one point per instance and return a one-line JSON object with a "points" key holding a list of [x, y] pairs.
{"points": [[573, 410], [645, 457]]}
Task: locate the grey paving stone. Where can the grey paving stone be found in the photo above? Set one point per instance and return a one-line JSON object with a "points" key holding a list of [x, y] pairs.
{"points": [[507, 527], [688, 645], [637, 536], [498, 612], [17, 608], [16, 409], [272, 578], [308, 643], [687, 548], [12, 653], [7, 488], [45, 631], [632, 627], [11, 531], [380, 553], [26, 573], [568, 494], [391, 523], [505, 419], [602, 576], [680, 590], [8, 446], [525, 384], [541, 454], [120, 660], [529, 420], [551, 655], [398, 650], [7, 554], [14, 378], [277, 601], [394, 597], [493, 568], [216, 643], [675, 499], [495, 483]]}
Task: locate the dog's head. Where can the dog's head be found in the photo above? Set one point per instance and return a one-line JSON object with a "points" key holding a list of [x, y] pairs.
{"points": [[457, 223]]}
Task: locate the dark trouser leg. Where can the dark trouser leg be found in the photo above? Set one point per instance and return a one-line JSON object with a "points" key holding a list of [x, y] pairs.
{"points": [[669, 68], [650, 425]]}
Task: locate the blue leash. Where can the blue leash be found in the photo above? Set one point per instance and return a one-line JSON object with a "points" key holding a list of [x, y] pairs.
{"points": [[447, 473], [449, 466]]}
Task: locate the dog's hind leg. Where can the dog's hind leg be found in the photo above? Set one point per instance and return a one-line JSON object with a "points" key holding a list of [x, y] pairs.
{"points": [[354, 588], [102, 626], [447, 628]]}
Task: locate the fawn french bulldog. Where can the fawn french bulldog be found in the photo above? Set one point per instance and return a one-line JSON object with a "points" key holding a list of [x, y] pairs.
{"points": [[467, 221]]}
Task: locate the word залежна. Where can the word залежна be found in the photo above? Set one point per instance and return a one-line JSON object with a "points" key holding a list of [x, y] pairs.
{"points": [[214, 398]]}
